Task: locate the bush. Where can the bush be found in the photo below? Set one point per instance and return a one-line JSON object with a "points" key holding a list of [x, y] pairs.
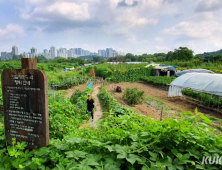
{"points": [[75, 96], [133, 96], [104, 72], [110, 104]]}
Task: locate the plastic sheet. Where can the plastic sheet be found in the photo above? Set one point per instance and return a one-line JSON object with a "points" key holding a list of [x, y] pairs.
{"points": [[90, 85], [201, 82], [193, 71]]}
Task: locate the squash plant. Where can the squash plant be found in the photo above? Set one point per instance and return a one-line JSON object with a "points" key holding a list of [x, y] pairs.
{"points": [[122, 140]]}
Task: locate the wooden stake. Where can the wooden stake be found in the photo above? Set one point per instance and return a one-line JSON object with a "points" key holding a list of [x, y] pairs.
{"points": [[161, 114]]}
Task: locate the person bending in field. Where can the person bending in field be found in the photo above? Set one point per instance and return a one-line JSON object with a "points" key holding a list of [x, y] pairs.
{"points": [[90, 105]]}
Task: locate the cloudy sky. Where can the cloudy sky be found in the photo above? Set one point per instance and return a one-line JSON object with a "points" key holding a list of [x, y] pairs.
{"points": [[136, 26]]}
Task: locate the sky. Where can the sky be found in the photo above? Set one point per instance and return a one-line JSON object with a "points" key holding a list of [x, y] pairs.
{"points": [[128, 26]]}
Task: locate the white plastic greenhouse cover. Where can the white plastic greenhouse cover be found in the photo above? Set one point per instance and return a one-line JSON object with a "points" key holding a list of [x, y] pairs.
{"points": [[202, 82]]}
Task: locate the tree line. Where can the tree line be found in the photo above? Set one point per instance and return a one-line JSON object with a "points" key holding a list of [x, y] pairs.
{"points": [[182, 54]]}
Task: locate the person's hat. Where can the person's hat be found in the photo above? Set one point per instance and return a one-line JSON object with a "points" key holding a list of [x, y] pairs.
{"points": [[89, 95]]}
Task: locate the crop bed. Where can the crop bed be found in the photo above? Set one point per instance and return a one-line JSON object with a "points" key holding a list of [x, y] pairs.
{"points": [[158, 80], [206, 99]]}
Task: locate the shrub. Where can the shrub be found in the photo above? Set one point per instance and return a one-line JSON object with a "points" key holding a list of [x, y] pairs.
{"points": [[103, 71], [133, 96], [75, 96]]}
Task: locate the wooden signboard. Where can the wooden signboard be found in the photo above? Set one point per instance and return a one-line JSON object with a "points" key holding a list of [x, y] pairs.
{"points": [[25, 101]]}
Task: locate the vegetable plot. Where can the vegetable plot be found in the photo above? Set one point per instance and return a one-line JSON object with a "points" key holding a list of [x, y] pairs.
{"points": [[122, 140], [132, 75], [68, 83], [207, 99], [158, 80]]}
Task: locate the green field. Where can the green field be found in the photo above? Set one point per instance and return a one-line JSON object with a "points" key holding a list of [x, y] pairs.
{"points": [[123, 140]]}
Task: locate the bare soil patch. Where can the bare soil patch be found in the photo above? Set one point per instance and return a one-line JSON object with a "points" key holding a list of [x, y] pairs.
{"points": [[143, 108], [81, 87], [177, 104]]}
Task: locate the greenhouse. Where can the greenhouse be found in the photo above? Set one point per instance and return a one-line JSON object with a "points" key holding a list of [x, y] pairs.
{"points": [[200, 82], [201, 88]]}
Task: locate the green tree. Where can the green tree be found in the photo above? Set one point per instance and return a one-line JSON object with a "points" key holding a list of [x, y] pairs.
{"points": [[97, 58], [41, 59], [61, 60], [169, 55], [199, 56], [101, 61], [129, 56], [182, 54], [160, 58], [197, 62], [77, 60]]}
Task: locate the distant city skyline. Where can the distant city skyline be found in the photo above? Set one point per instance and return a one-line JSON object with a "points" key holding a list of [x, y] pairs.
{"points": [[53, 52]]}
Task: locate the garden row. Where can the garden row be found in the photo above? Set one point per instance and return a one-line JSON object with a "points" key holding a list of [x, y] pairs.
{"points": [[158, 80], [132, 75], [65, 79], [68, 83], [206, 99]]}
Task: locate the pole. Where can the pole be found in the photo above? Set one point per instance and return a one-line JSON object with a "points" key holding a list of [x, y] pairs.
{"points": [[209, 101], [161, 114]]}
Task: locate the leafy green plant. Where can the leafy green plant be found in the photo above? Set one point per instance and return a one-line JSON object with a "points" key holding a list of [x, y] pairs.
{"points": [[68, 83], [206, 99], [132, 75], [133, 96], [75, 96], [158, 80]]}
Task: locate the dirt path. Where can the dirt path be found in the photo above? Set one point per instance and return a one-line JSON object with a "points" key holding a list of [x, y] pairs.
{"points": [[98, 112]]}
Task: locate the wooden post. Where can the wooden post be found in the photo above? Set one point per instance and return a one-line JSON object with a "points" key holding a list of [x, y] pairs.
{"points": [[161, 114], [29, 63]]}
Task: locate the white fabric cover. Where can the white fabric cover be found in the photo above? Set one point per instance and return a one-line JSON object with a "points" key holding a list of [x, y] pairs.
{"points": [[203, 82]]}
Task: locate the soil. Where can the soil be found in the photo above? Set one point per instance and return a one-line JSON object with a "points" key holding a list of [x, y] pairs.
{"points": [[176, 104], [81, 87]]}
